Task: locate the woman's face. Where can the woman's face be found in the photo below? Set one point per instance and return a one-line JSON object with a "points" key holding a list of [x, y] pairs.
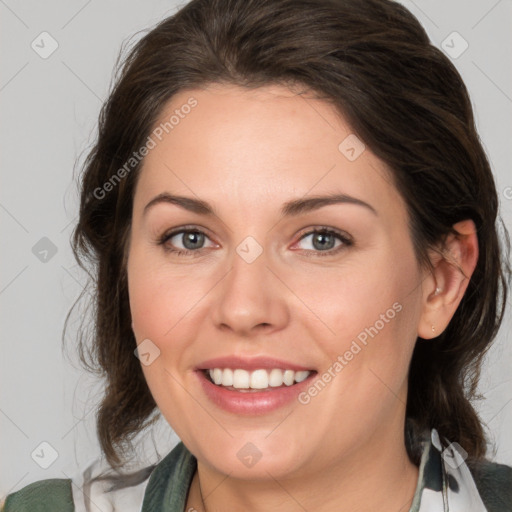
{"points": [[260, 292]]}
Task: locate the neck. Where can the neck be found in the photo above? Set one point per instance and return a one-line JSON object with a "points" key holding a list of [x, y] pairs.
{"points": [[379, 476]]}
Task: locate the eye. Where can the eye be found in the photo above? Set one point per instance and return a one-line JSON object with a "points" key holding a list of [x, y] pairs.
{"points": [[191, 240], [323, 241]]}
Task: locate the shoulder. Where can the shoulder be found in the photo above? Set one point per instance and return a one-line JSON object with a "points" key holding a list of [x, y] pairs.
{"points": [[41, 496], [494, 483], [144, 489]]}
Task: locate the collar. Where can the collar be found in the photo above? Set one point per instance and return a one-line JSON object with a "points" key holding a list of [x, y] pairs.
{"points": [[445, 483]]}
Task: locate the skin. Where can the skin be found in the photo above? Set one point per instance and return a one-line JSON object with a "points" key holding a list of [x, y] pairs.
{"points": [[246, 153]]}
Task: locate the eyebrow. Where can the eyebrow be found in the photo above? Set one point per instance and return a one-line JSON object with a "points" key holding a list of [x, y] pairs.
{"points": [[289, 209]]}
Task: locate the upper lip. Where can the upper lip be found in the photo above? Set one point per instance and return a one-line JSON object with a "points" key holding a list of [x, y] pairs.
{"points": [[250, 363]]}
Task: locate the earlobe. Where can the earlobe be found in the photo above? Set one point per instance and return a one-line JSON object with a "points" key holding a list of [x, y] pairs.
{"points": [[453, 266]]}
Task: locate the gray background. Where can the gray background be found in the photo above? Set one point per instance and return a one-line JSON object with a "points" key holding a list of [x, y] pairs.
{"points": [[49, 108]]}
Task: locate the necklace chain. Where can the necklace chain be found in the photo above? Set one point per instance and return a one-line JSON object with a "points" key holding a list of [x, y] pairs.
{"points": [[201, 493]]}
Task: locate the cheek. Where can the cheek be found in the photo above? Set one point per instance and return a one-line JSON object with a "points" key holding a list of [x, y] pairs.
{"points": [[159, 298], [159, 304], [167, 306], [354, 299], [367, 313], [149, 306]]}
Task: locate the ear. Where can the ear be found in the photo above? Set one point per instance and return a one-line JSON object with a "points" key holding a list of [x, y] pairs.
{"points": [[445, 286]]}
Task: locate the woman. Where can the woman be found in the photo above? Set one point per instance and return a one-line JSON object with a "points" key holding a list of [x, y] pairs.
{"points": [[293, 224]]}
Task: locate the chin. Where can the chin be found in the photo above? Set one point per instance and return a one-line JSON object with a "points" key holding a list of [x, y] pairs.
{"points": [[253, 457]]}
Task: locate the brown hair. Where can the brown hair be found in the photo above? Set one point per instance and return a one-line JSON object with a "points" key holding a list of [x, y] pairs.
{"points": [[372, 60]]}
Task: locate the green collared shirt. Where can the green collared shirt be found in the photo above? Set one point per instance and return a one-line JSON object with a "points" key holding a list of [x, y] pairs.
{"points": [[445, 484]]}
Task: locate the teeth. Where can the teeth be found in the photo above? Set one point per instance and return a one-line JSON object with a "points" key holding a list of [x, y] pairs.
{"points": [[227, 377], [289, 377], [300, 376], [241, 379], [276, 378], [217, 376], [257, 379]]}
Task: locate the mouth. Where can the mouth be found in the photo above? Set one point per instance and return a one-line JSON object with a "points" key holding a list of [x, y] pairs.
{"points": [[252, 386], [261, 379]]}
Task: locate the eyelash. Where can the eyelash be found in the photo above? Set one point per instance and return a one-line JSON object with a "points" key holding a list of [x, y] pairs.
{"points": [[347, 242]]}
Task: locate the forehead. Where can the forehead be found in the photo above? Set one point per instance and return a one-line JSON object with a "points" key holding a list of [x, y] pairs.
{"points": [[259, 146]]}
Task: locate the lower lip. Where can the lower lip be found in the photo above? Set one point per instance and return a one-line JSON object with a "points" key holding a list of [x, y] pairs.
{"points": [[252, 402]]}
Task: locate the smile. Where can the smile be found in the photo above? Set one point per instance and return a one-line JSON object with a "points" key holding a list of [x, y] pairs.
{"points": [[243, 380]]}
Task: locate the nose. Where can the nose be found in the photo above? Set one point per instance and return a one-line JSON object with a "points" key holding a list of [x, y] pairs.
{"points": [[251, 298]]}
